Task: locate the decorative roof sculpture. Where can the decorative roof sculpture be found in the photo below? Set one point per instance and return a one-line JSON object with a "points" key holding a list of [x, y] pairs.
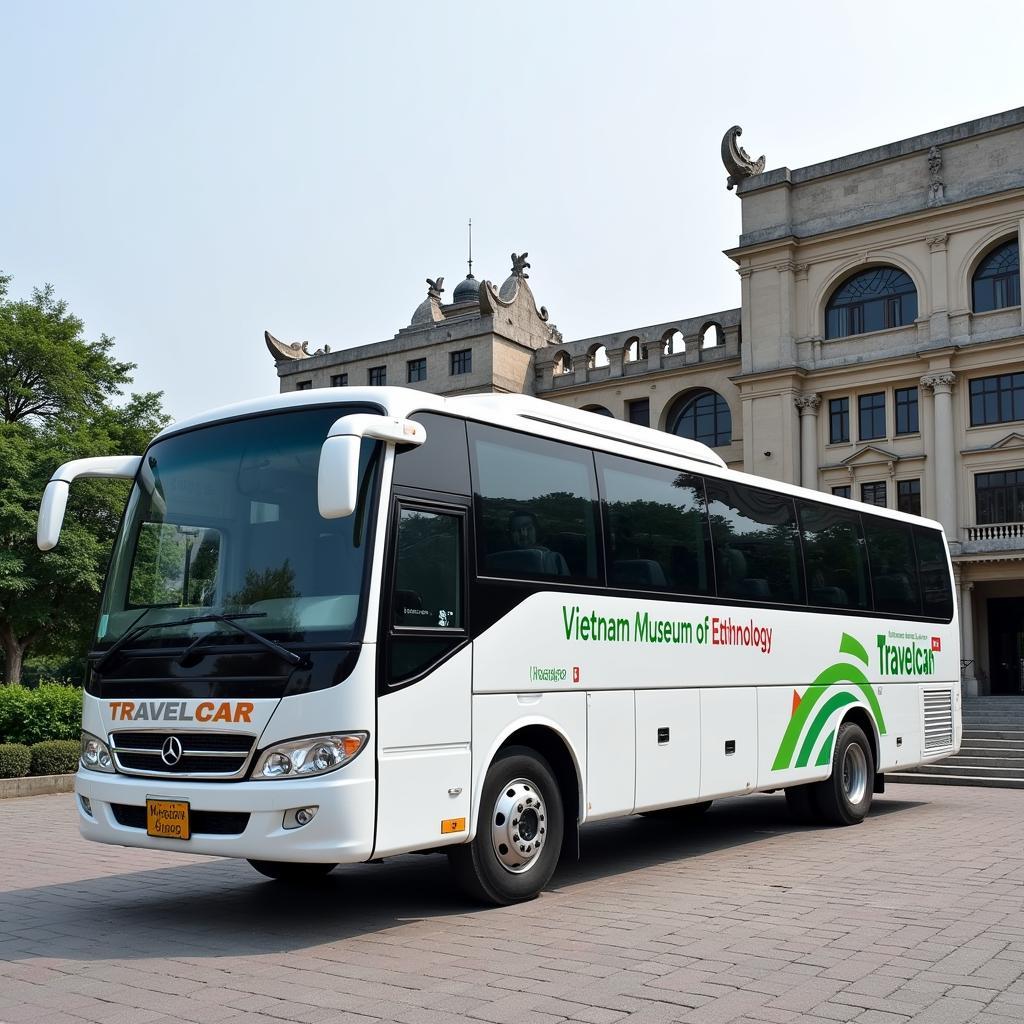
{"points": [[429, 310], [284, 350], [737, 160]]}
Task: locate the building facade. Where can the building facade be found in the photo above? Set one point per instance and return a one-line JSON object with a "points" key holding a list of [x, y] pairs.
{"points": [[878, 352]]}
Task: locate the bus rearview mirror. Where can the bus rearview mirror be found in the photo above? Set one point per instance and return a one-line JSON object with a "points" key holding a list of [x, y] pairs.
{"points": [[337, 483], [55, 497]]}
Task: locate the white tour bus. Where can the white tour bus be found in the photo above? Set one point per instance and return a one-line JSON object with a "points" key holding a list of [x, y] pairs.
{"points": [[341, 625]]}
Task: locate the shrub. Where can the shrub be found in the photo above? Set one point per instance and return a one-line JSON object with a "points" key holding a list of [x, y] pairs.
{"points": [[51, 711], [15, 760], [54, 757]]}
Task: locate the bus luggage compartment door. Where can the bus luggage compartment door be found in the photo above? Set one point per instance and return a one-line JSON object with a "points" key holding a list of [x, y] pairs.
{"points": [[728, 740]]}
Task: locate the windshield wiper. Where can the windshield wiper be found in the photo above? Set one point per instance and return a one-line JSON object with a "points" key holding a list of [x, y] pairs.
{"points": [[232, 620], [135, 632]]}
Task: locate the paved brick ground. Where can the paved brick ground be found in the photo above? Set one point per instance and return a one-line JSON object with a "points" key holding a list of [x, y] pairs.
{"points": [[916, 915]]}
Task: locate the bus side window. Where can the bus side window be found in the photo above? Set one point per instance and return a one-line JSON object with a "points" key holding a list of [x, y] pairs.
{"points": [[757, 554], [536, 506], [893, 566], [428, 570], [933, 571], [837, 564], [441, 463], [658, 535]]}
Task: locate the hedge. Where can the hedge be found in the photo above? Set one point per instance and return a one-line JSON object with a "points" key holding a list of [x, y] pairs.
{"points": [[50, 711], [54, 757], [15, 760]]}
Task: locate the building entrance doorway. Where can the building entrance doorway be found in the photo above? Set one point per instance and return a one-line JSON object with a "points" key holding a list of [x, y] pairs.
{"points": [[1006, 644]]}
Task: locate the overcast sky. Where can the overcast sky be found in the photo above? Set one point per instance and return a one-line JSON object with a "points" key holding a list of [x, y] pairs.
{"points": [[187, 175]]}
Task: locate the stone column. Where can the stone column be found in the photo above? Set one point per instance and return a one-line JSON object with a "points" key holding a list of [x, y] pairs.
{"points": [[808, 406], [970, 679], [944, 447]]}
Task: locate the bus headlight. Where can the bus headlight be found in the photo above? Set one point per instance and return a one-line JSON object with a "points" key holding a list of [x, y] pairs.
{"points": [[95, 754], [312, 755]]}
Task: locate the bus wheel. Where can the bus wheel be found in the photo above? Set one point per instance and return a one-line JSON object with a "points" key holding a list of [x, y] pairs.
{"points": [[519, 832], [283, 871], [845, 797]]}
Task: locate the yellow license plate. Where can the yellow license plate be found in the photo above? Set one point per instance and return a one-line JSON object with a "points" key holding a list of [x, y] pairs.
{"points": [[167, 819]]}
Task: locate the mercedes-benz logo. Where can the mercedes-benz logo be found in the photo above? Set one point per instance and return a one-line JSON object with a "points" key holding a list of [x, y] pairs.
{"points": [[170, 752]]}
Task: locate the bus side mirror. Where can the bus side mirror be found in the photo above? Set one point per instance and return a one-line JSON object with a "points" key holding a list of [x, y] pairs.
{"points": [[55, 497], [337, 482]]}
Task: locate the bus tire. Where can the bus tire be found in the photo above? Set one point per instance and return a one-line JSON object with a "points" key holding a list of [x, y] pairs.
{"points": [[284, 871], [844, 798], [519, 831]]}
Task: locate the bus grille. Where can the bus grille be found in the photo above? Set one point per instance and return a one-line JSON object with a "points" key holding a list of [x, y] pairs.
{"points": [[938, 719], [215, 755], [208, 823]]}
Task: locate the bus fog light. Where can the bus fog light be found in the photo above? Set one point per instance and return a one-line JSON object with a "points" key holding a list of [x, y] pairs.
{"points": [[86, 805], [299, 816], [312, 755]]}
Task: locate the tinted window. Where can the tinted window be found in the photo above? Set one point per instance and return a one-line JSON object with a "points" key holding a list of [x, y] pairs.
{"points": [[838, 420], [834, 553], [658, 535], [535, 503], [441, 463], [1000, 496], [428, 570], [997, 399], [936, 589], [906, 411], [757, 555], [871, 410], [908, 496], [893, 567]]}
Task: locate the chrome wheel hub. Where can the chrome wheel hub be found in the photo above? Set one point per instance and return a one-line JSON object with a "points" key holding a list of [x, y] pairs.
{"points": [[518, 826], [855, 773]]}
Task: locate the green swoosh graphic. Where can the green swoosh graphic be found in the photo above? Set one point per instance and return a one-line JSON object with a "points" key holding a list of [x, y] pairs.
{"points": [[832, 705], [852, 646], [840, 672], [826, 750]]}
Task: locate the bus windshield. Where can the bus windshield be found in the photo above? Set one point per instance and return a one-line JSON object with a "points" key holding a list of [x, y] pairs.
{"points": [[224, 520]]}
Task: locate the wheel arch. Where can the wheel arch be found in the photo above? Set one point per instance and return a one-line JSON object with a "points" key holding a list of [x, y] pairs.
{"points": [[557, 749], [861, 716]]}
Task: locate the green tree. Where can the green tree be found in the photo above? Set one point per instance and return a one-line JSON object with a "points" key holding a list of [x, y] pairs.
{"points": [[61, 398]]}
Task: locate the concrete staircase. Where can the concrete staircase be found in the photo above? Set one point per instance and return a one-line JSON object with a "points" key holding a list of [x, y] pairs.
{"points": [[992, 751]]}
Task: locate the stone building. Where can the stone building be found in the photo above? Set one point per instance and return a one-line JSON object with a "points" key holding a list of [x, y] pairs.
{"points": [[878, 352]]}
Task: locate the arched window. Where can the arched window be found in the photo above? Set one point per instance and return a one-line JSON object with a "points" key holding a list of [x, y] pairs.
{"points": [[597, 356], [703, 416], [996, 283], [598, 410], [563, 363], [872, 300]]}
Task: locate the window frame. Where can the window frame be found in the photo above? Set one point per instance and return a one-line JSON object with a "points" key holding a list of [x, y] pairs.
{"points": [[843, 415], [861, 436], [906, 406], [851, 319], [977, 391], [388, 632], [900, 484], [1007, 280], [688, 401], [456, 360], [420, 363], [382, 370], [600, 579], [875, 483], [339, 380]]}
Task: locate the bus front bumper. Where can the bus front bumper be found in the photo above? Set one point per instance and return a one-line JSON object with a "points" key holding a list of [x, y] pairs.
{"points": [[341, 831]]}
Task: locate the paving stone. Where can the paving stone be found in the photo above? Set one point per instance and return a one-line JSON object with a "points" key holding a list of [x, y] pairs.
{"points": [[917, 916]]}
